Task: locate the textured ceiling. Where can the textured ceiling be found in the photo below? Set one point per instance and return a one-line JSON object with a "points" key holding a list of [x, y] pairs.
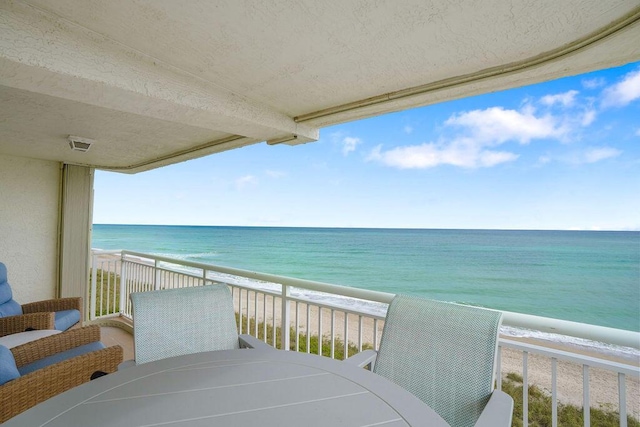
{"points": [[156, 82]]}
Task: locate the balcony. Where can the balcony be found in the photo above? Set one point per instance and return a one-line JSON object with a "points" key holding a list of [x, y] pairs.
{"points": [[292, 314]]}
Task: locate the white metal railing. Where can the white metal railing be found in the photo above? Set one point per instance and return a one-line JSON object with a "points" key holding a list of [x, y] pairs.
{"points": [[336, 320]]}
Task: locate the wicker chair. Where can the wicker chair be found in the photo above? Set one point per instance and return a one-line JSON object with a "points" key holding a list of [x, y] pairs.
{"points": [[445, 355], [26, 391], [175, 322], [47, 314], [20, 323]]}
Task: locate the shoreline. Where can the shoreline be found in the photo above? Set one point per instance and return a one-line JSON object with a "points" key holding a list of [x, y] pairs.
{"points": [[623, 358]]}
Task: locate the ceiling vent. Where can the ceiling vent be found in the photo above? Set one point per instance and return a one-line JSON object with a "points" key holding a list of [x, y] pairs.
{"points": [[78, 143]]}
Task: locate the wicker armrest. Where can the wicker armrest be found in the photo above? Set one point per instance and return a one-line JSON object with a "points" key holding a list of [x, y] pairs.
{"points": [[27, 391], [57, 304], [14, 324], [44, 347]]}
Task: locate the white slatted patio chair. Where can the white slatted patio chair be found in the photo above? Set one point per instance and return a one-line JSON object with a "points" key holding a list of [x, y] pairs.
{"points": [[445, 354], [175, 322]]}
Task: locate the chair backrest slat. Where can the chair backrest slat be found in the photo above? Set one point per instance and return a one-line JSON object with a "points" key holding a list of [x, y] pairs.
{"points": [[443, 353], [182, 321]]}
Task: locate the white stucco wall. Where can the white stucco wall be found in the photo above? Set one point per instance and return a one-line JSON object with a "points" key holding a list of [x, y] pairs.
{"points": [[29, 198]]}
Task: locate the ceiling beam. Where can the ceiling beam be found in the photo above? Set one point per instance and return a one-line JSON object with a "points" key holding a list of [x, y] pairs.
{"points": [[43, 53]]}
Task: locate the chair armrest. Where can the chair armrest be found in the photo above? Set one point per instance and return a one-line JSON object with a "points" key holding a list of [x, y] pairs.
{"points": [[498, 411], [14, 324], [27, 391], [44, 347], [364, 358], [56, 304], [249, 341]]}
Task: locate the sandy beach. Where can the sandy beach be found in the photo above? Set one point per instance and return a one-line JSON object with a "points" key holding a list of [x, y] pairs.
{"points": [[603, 384]]}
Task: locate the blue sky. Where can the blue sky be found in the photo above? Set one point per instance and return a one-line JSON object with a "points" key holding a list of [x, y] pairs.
{"points": [[560, 155]]}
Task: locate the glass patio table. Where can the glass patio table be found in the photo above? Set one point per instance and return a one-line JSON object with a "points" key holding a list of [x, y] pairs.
{"points": [[246, 387]]}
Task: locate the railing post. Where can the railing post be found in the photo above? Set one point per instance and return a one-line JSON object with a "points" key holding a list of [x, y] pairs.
{"points": [[286, 318], [498, 368], [586, 405], [554, 392], [123, 284], [156, 276], [622, 400], [525, 389], [94, 295]]}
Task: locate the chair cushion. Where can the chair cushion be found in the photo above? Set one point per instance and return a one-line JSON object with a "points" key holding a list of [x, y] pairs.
{"points": [[10, 308], [8, 370], [3, 278], [66, 319], [59, 357], [14, 340], [5, 291]]}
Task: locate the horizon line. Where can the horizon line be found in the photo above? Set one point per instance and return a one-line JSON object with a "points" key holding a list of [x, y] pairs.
{"points": [[371, 228]]}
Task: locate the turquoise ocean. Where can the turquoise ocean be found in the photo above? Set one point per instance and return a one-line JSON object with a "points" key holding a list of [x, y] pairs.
{"points": [[584, 276]]}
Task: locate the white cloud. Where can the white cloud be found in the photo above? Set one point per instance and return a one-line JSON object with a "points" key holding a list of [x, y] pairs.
{"points": [[594, 155], [461, 153], [593, 83], [587, 156], [275, 174], [336, 136], [577, 112], [478, 133], [588, 117], [245, 181], [496, 125], [565, 99], [623, 92], [489, 158], [408, 129], [638, 132], [543, 160], [475, 136], [349, 144]]}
